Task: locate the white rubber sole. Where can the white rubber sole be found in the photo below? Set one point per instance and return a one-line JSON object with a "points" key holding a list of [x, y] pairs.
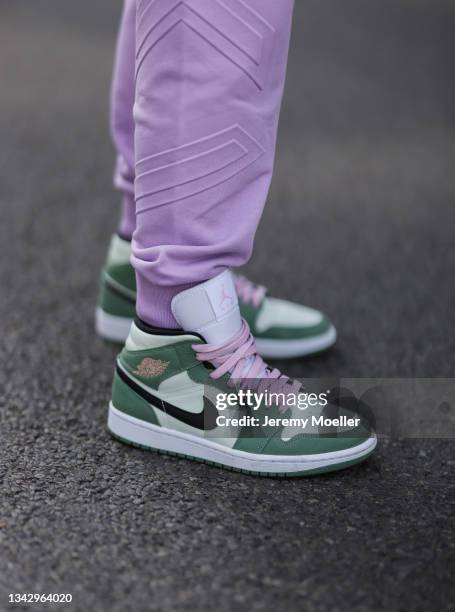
{"points": [[153, 437], [111, 327], [116, 329]]}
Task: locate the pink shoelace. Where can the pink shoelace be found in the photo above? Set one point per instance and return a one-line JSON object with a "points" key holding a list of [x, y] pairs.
{"points": [[240, 358], [249, 292]]}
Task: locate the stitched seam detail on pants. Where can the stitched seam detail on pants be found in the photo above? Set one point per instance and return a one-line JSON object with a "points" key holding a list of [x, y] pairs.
{"points": [[194, 167], [230, 27]]}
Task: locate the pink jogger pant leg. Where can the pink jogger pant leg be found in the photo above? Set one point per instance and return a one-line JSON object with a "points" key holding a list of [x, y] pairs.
{"points": [[207, 84]]}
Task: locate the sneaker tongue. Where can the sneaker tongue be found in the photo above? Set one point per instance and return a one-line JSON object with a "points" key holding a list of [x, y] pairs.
{"points": [[210, 309]]}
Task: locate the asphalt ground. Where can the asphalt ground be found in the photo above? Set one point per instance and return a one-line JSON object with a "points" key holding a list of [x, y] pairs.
{"points": [[360, 223]]}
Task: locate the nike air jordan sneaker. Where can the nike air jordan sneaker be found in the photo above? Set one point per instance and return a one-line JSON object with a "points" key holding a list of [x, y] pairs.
{"points": [[180, 392], [282, 329]]}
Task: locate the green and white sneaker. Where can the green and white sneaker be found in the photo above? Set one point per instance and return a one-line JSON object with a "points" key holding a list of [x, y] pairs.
{"points": [[179, 392], [282, 329]]}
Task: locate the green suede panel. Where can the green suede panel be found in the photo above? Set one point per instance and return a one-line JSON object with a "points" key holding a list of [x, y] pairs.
{"points": [[122, 274], [313, 444], [113, 303], [129, 402], [187, 357], [293, 333], [250, 444], [254, 439], [201, 374], [249, 313]]}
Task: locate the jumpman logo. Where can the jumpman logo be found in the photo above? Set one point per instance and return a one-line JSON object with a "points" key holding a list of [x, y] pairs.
{"points": [[226, 300]]}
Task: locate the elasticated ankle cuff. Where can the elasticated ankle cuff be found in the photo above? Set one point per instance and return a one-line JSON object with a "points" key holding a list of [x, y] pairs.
{"points": [[153, 303]]}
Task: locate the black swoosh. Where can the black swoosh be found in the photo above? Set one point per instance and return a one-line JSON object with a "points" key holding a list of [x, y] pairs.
{"points": [[204, 420]]}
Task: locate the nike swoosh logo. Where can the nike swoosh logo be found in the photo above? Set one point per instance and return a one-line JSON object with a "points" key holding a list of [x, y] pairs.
{"points": [[204, 420]]}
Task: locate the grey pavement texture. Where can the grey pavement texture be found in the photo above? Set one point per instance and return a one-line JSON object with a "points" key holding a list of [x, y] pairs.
{"points": [[360, 222]]}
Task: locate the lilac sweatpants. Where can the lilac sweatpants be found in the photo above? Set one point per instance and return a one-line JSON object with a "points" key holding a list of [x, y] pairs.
{"points": [[205, 78]]}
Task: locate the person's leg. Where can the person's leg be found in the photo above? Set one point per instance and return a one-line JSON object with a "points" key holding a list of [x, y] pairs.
{"points": [[122, 122], [281, 328], [209, 83], [209, 80]]}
